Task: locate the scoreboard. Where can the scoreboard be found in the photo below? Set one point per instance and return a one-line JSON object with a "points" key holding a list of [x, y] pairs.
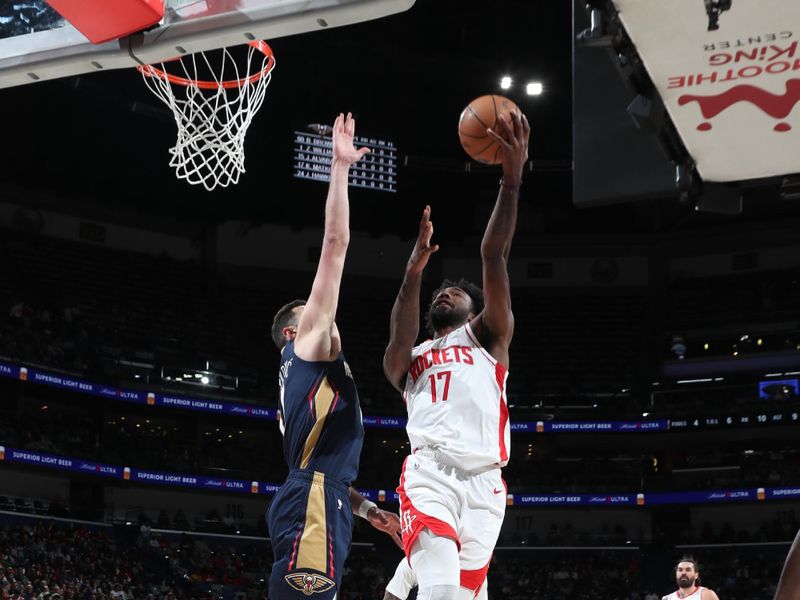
{"points": [[787, 416], [376, 171]]}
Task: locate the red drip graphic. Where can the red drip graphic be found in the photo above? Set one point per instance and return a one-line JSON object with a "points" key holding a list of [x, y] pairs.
{"points": [[776, 106]]}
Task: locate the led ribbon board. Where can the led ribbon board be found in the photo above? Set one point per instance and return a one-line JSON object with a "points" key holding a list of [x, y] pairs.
{"points": [[732, 92]]}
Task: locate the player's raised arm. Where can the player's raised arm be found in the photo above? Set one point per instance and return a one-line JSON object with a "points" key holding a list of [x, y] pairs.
{"points": [[404, 325], [495, 325], [317, 338]]}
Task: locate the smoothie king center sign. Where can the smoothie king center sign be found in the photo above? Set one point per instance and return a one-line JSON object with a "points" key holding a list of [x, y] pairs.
{"points": [[732, 93]]}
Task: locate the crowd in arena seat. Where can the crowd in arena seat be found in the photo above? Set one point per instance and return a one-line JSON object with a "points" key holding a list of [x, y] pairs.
{"points": [[84, 308], [518, 533], [753, 313], [611, 534], [564, 534], [81, 307], [38, 329], [742, 574], [45, 561], [600, 575], [60, 423], [48, 560], [58, 560], [747, 298], [773, 530]]}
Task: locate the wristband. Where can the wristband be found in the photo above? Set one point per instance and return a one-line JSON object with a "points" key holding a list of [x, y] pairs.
{"points": [[509, 187], [365, 507]]}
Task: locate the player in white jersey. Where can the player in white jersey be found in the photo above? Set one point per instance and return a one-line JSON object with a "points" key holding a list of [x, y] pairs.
{"points": [[452, 495], [687, 576]]}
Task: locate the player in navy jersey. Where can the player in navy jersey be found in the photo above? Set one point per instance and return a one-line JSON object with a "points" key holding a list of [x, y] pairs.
{"points": [[311, 517]]}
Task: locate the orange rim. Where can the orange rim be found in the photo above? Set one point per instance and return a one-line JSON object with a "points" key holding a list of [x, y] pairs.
{"points": [[260, 45]]}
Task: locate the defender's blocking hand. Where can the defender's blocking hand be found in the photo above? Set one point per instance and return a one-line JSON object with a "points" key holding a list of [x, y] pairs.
{"points": [[344, 129]]}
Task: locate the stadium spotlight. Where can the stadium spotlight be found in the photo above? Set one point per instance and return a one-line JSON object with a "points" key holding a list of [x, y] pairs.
{"points": [[534, 88], [505, 82]]}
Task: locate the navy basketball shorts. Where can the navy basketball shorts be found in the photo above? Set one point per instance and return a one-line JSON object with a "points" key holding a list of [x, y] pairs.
{"points": [[311, 525]]}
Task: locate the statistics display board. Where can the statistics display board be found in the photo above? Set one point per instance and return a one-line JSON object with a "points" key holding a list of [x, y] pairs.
{"points": [[376, 171]]}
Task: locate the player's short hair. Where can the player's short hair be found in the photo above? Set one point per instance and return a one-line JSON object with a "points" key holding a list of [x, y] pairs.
{"points": [[474, 292], [689, 559], [283, 318]]}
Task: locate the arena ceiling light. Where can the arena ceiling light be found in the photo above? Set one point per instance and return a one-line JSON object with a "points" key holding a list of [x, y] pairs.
{"points": [[534, 88], [200, 377], [505, 82]]}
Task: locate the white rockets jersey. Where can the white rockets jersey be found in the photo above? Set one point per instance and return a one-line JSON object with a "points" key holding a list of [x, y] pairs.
{"points": [[696, 595], [456, 400]]}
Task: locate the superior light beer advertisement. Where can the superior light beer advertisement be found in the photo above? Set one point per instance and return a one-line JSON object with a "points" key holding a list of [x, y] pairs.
{"points": [[731, 92]]}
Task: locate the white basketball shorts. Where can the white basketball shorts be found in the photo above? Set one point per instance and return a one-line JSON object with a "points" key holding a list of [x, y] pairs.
{"points": [[466, 507]]}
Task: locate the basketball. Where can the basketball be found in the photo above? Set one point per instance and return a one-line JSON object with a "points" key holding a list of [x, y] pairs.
{"points": [[479, 115]]}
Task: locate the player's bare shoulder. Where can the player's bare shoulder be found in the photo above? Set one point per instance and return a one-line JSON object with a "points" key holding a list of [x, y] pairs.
{"points": [[707, 594]]}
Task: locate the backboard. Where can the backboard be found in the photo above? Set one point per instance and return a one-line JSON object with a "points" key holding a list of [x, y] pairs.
{"points": [[36, 44]]}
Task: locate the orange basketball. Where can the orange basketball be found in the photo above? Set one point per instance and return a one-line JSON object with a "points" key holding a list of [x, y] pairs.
{"points": [[479, 115]]}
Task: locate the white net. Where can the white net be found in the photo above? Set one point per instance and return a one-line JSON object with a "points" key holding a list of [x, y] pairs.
{"points": [[212, 113]]}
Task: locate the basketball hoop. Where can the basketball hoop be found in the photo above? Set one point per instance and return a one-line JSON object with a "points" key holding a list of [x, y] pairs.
{"points": [[212, 113]]}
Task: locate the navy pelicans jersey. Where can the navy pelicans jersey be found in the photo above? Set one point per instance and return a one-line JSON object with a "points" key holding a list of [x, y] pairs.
{"points": [[310, 520], [320, 416]]}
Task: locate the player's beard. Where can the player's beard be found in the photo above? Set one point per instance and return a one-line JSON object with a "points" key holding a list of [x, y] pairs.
{"points": [[443, 316], [685, 582]]}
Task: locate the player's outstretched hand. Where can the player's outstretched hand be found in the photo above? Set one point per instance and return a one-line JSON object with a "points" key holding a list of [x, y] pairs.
{"points": [[344, 129], [513, 133], [422, 248], [387, 522]]}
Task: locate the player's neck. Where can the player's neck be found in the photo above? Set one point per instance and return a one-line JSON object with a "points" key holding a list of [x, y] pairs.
{"points": [[444, 331], [683, 593]]}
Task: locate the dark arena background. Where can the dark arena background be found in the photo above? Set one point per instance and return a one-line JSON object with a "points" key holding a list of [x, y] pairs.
{"points": [[654, 387]]}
